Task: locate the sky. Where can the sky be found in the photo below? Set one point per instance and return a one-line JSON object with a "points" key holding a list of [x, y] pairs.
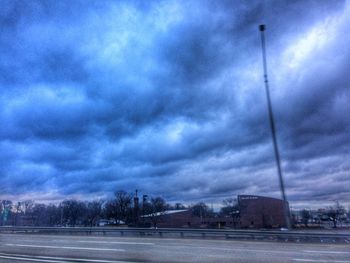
{"points": [[168, 97]]}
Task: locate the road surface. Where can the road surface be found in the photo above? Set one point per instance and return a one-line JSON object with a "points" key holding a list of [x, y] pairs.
{"points": [[19, 248]]}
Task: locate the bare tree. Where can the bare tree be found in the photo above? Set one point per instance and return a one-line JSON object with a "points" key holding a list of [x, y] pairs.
{"points": [[179, 206], [40, 215], [123, 202], [119, 208], [17, 213], [202, 210], [53, 215], [305, 217], [72, 211], [93, 211], [28, 205], [230, 207], [110, 210], [335, 213], [155, 209]]}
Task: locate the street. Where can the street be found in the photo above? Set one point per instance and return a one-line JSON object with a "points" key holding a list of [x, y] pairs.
{"points": [[71, 248]]}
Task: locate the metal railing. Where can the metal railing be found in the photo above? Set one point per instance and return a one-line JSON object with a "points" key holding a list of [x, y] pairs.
{"points": [[186, 232]]}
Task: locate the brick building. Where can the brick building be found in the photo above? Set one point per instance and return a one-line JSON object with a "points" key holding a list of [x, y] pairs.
{"points": [[185, 218], [253, 212], [260, 212]]}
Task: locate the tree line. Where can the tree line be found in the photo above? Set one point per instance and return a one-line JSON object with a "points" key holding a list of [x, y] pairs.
{"points": [[335, 214], [119, 210]]}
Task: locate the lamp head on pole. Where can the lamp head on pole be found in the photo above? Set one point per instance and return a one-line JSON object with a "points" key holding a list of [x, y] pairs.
{"points": [[262, 28]]}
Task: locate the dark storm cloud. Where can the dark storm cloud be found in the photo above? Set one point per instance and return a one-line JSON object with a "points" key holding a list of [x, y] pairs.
{"points": [[167, 97]]}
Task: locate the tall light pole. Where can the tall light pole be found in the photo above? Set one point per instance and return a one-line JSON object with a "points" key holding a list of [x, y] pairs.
{"points": [[273, 130]]}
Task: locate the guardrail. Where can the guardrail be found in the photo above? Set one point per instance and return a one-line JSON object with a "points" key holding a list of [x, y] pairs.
{"points": [[297, 236]]}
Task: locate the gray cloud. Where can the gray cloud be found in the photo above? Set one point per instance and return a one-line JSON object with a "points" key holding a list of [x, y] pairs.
{"points": [[168, 97]]}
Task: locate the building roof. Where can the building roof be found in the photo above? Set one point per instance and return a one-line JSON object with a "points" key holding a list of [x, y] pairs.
{"points": [[166, 212], [255, 197]]}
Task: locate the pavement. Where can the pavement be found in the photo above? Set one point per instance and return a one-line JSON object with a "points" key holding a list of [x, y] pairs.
{"points": [[19, 248]]}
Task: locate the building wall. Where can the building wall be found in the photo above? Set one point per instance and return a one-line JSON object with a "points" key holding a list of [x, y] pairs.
{"points": [[260, 212], [181, 219], [255, 212], [187, 219]]}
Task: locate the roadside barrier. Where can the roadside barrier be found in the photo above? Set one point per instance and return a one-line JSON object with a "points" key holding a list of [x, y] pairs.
{"points": [[273, 235]]}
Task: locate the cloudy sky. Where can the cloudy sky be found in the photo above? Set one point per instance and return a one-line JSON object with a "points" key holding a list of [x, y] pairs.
{"points": [[168, 97]]}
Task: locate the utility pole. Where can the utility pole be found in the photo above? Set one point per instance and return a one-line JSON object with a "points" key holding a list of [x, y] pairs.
{"points": [[61, 208], [273, 130], [136, 208]]}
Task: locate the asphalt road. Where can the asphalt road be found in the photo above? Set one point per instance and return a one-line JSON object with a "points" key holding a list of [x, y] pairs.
{"points": [[19, 248]]}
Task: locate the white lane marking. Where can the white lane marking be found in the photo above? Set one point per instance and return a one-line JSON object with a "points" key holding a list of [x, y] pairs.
{"points": [[319, 260], [257, 250], [116, 242], [91, 241], [326, 252], [216, 256], [63, 247], [229, 249], [57, 259], [33, 259]]}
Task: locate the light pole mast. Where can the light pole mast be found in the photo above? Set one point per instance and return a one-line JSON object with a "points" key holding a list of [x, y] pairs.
{"points": [[273, 129]]}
